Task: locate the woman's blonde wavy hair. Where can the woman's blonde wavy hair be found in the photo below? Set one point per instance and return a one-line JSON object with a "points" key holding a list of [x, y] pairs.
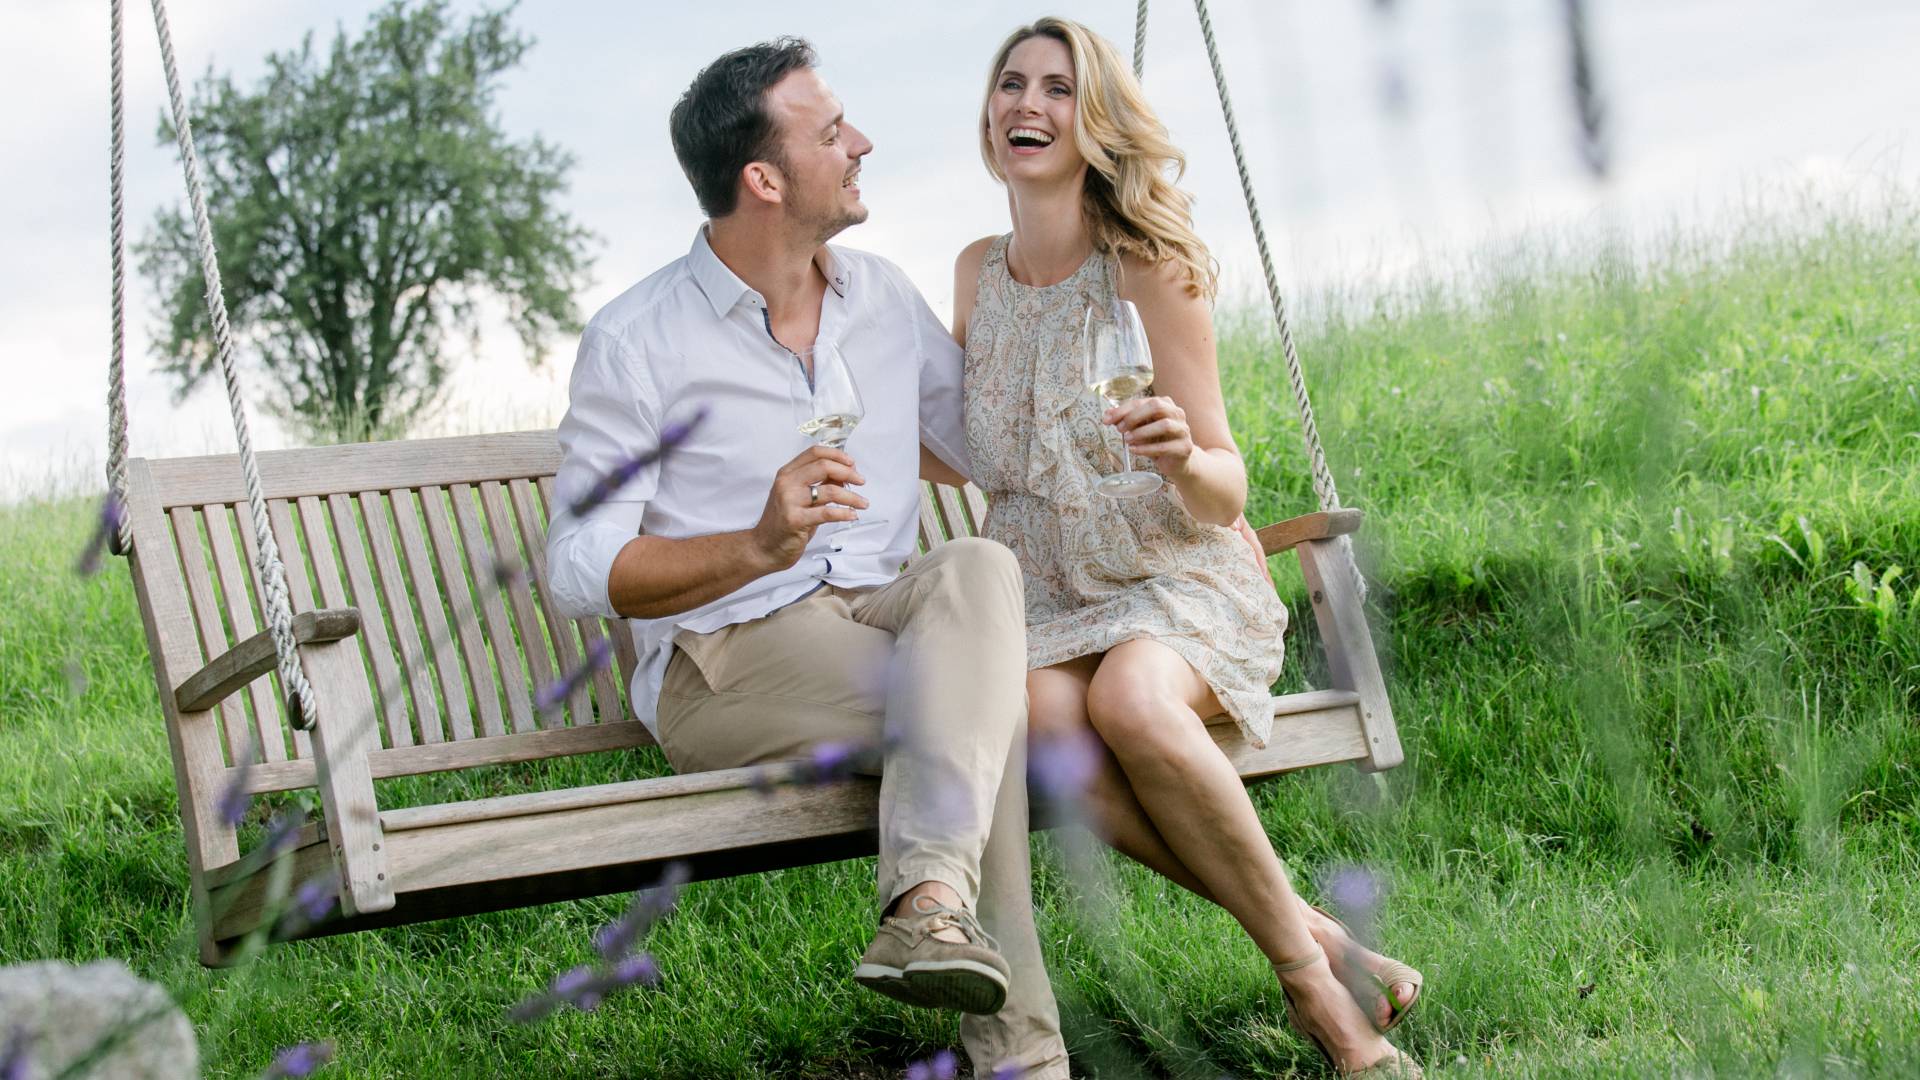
{"points": [[1131, 203]]}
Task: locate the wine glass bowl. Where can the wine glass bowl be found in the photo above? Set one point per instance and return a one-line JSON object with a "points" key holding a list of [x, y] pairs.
{"points": [[1117, 366], [827, 403]]}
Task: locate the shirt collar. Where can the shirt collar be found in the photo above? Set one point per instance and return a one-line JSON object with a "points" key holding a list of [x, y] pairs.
{"points": [[724, 289]]}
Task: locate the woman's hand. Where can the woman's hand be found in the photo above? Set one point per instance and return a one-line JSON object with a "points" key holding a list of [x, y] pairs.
{"points": [[1156, 428]]}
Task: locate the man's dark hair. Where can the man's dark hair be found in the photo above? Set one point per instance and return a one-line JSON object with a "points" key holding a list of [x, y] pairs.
{"points": [[721, 123]]}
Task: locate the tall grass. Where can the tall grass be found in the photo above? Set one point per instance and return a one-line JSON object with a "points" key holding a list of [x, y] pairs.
{"points": [[1644, 532]]}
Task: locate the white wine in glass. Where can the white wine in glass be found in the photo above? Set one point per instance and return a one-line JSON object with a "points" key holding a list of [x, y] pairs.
{"points": [[829, 405], [1119, 367]]}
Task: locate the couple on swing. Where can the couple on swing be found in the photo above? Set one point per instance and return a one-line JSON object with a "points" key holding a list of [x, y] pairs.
{"points": [[764, 586]]}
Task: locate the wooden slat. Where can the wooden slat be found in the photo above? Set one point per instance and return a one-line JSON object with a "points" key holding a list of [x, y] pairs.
{"points": [[392, 687], [343, 737], [466, 621], [192, 738], [234, 580], [930, 535], [299, 592], [465, 754], [213, 634], [616, 632], [254, 657], [1351, 662], [333, 593], [453, 680], [512, 566], [399, 607], [1282, 535], [324, 470], [499, 633], [976, 510], [274, 727], [953, 519], [565, 640]]}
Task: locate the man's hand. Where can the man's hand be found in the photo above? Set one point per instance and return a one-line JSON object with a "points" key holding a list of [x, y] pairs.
{"points": [[807, 492]]}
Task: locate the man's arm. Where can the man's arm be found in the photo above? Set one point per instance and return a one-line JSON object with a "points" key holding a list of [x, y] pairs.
{"points": [[597, 562], [653, 576]]}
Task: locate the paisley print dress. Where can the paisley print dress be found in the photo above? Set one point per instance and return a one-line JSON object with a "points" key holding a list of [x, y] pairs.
{"points": [[1101, 571]]}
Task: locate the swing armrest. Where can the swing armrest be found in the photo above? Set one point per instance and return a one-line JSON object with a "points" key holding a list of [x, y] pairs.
{"points": [[254, 657], [1285, 535]]}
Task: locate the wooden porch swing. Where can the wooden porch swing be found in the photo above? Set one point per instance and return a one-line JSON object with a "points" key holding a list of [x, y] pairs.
{"points": [[404, 595]]}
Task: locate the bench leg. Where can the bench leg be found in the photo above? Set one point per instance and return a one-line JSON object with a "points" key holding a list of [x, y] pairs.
{"points": [[1351, 660]]}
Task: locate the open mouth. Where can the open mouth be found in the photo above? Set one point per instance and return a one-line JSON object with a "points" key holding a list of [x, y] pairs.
{"points": [[852, 181], [1025, 138]]}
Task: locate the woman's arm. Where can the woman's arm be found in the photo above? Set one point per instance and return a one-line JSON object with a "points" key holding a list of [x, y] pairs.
{"points": [[1183, 428], [966, 284]]}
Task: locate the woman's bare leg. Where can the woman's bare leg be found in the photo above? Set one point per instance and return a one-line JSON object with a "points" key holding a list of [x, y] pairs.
{"points": [[1057, 718], [1147, 702]]}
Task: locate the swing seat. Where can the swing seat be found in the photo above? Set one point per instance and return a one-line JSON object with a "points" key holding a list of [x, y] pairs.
{"points": [[417, 574]]}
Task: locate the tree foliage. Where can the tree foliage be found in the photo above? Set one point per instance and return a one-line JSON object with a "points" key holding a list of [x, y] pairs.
{"points": [[365, 208]]}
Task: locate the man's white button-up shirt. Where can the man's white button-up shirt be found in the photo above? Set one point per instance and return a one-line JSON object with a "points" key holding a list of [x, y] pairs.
{"points": [[694, 336]]}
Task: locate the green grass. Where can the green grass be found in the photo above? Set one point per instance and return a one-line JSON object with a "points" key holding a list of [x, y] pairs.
{"points": [[1659, 812]]}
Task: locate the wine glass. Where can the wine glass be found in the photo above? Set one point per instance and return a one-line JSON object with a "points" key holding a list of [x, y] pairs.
{"points": [[829, 406], [1119, 367]]}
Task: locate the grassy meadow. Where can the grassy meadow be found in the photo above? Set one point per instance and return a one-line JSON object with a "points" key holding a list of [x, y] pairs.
{"points": [[1644, 534]]}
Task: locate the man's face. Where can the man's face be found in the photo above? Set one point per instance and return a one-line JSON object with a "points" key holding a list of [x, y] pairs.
{"points": [[822, 153]]}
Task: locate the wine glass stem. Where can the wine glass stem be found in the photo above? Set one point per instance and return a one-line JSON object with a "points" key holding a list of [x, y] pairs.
{"points": [[1126, 455]]}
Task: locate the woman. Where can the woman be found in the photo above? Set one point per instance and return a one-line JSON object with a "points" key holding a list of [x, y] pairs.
{"points": [[1145, 615]]}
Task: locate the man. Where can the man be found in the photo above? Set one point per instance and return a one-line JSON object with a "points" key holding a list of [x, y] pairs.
{"points": [[771, 613]]}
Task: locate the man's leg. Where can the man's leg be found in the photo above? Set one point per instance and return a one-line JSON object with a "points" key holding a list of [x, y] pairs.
{"points": [[956, 767]]}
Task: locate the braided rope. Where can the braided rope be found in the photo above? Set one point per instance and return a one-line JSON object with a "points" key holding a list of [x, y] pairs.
{"points": [[272, 573], [1323, 486], [1140, 41], [122, 540]]}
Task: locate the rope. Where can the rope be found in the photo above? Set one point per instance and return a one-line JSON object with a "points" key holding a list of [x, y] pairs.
{"points": [[122, 539], [1140, 41], [1323, 486], [272, 572]]}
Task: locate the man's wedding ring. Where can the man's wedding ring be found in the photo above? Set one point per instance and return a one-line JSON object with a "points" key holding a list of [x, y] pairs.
{"points": [[813, 494]]}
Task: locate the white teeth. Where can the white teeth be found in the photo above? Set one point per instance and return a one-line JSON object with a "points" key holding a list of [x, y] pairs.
{"points": [[1040, 137]]}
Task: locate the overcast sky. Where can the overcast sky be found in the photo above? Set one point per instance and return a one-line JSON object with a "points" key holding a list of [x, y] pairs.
{"points": [[1707, 100]]}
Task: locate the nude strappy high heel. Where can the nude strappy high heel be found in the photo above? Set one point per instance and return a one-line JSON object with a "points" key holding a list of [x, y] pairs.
{"points": [[1392, 973], [1396, 1066]]}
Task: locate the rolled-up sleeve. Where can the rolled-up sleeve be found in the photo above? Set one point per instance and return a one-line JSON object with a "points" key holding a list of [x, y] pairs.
{"points": [[611, 417], [943, 427]]}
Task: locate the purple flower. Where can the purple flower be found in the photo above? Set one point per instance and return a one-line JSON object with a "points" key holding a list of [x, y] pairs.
{"points": [[1355, 892], [505, 572], [550, 696], [315, 898], [1009, 1072], [106, 529], [299, 1060], [940, 1066], [610, 484], [641, 970], [1061, 766], [13, 1059], [283, 830], [617, 938]]}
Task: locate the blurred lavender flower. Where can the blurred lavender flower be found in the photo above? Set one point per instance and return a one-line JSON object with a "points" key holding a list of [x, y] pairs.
{"points": [[505, 572], [236, 798], [616, 939], [313, 902], [299, 1060], [1059, 767], [1588, 106], [283, 829], [550, 696], [609, 485], [826, 763], [1009, 1072], [1355, 893], [585, 989], [13, 1058], [105, 528], [940, 1066]]}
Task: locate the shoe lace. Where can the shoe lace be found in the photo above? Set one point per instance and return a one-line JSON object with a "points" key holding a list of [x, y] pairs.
{"points": [[941, 917]]}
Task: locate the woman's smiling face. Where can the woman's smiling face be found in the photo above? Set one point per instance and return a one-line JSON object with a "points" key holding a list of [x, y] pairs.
{"points": [[1030, 113]]}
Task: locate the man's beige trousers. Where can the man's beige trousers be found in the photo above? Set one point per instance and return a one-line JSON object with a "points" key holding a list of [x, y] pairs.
{"points": [[934, 663]]}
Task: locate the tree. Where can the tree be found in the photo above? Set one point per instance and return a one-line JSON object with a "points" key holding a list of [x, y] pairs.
{"points": [[365, 209]]}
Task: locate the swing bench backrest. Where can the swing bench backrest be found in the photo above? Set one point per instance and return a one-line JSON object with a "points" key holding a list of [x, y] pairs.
{"points": [[417, 574]]}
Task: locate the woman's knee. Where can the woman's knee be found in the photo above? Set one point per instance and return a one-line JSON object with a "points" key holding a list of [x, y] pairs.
{"points": [[1134, 714]]}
